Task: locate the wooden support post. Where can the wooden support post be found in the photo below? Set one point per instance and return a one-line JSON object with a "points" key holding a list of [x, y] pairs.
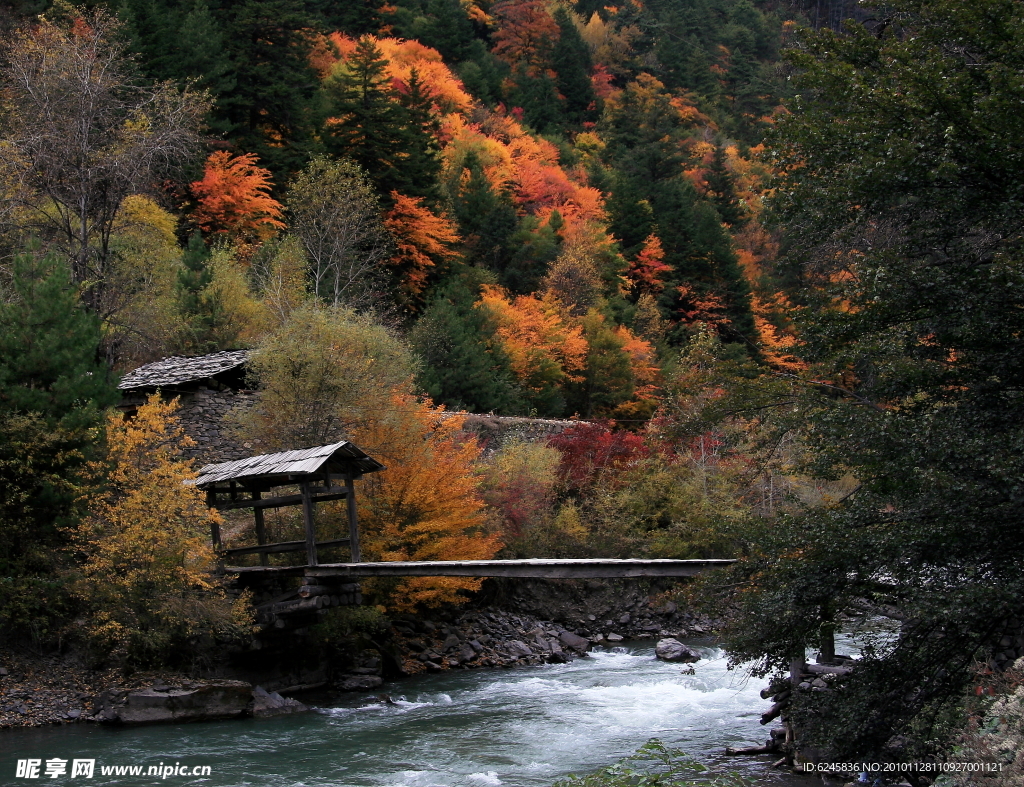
{"points": [[307, 516], [211, 501], [261, 529], [353, 522], [797, 667]]}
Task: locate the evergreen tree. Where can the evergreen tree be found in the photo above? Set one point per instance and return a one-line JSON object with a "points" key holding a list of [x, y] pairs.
{"points": [[267, 111], [537, 95], [464, 365], [449, 30], [390, 136], [721, 189], [571, 60], [200, 304], [421, 155], [49, 348], [486, 217], [53, 390]]}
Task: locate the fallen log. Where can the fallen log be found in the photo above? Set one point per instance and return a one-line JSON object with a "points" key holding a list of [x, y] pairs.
{"points": [[766, 749], [826, 669], [773, 712]]}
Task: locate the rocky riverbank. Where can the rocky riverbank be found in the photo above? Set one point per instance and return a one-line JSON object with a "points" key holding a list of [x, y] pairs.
{"points": [[510, 624]]}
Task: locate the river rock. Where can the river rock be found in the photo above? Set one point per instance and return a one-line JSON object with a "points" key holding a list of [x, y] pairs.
{"points": [[358, 682], [266, 704], [671, 649], [451, 643], [222, 699], [614, 637], [518, 649], [574, 642]]}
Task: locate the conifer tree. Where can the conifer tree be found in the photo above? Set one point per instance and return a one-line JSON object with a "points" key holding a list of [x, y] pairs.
{"points": [[450, 32], [53, 390], [49, 348], [464, 363], [268, 110], [722, 190], [486, 217], [571, 60], [387, 135], [200, 305]]}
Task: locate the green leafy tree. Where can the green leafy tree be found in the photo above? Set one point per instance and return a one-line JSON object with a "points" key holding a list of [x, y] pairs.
{"points": [[901, 202]]}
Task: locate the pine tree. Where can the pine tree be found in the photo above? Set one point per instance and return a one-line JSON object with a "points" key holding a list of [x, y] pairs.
{"points": [[464, 364], [571, 60], [486, 217], [49, 348], [268, 110], [365, 122], [53, 390], [200, 305], [721, 190], [450, 32]]}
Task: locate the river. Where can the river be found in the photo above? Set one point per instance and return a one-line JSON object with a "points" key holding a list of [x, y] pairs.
{"points": [[517, 727]]}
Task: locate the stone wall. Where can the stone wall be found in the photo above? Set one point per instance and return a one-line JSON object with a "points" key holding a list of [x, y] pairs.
{"points": [[202, 416], [493, 431]]}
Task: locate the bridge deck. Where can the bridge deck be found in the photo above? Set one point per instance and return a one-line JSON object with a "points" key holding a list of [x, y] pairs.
{"points": [[539, 568]]}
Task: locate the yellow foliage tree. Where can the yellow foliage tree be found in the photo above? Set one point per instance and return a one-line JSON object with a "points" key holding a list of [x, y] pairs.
{"points": [[146, 580], [426, 505]]}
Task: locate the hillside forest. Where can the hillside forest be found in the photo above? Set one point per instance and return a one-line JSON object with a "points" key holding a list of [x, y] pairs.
{"points": [[767, 253]]}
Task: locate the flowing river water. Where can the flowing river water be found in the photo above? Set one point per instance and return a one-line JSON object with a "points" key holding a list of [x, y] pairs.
{"points": [[516, 727]]}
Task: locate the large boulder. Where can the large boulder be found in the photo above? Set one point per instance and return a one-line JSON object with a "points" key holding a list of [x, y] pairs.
{"points": [[220, 699], [671, 649], [358, 682], [271, 703], [574, 642]]}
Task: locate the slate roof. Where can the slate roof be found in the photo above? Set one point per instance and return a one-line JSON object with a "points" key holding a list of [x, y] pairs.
{"points": [[344, 458], [180, 369]]}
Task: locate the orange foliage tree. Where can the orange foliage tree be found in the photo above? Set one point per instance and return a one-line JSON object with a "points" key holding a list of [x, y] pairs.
{"points": [[234, 198], [422, 241], [426, 505], [544, 350]]}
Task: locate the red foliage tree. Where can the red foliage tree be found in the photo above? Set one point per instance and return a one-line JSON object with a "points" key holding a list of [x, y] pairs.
{"points": [[525, 35], [647, 272], [590, 449]]}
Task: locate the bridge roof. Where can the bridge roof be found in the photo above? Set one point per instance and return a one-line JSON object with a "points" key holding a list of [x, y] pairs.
{"points": [[266, 469]]}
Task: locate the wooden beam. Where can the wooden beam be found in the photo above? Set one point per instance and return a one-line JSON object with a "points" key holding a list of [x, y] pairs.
{"points": [[541, 568], [335, 493], [353, 522], [308, 521], [283, 546]]}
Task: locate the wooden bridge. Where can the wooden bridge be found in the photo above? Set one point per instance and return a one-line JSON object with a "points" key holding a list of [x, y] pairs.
{"points": [[327, 473], [540, 568]]}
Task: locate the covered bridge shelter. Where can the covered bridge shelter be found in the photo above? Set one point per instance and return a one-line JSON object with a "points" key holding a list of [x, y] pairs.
{"points": [[324, 473]]}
